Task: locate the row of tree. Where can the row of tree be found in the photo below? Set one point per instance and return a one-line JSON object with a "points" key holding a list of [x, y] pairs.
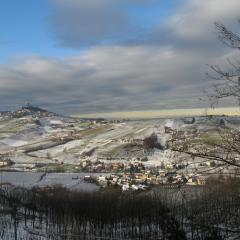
{"points": [[204, 213]]}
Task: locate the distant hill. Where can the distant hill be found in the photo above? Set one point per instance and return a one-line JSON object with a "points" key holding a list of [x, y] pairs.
{"points": [[29, 110], [32, 109]]}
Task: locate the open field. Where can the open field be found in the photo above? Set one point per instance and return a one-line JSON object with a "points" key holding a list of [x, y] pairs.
{"points": [[29, 180], [51, 143]]}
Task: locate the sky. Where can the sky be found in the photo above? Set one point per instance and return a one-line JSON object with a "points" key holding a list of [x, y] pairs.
{"points": [[165, 113], [88, 56]]}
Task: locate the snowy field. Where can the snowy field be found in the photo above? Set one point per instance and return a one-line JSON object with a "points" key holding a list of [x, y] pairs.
{"points": [[27, 141], [72, 181]]}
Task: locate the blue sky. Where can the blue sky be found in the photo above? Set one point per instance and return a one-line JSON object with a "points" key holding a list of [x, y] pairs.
{"points": [[24, 29], [25, 26], [152, 14], [85, 56]]}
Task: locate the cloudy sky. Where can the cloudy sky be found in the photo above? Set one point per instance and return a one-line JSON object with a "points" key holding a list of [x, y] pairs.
{"points": [[86, 56]]}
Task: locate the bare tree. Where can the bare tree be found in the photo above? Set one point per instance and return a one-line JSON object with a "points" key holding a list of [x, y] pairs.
{"points": [[226, 148], [228, 37], [227, 81]]}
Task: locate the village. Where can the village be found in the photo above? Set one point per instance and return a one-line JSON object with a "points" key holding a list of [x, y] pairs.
{"points": [[136, 178], [127, 155]]}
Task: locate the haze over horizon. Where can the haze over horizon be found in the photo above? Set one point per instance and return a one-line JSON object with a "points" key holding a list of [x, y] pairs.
{"points": [[164, 113], [88, 57]]}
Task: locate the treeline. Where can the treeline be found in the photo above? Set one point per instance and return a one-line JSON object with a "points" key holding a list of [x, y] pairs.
{"points": [[206, 213], [151, 142], [64, 214], [215, 211]]}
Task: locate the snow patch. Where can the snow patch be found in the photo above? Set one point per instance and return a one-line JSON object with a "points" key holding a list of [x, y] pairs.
{"points": [[13, 142]]}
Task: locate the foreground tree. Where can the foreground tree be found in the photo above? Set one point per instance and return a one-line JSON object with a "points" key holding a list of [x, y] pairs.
{"points": [[227, 82], [225, 147]]}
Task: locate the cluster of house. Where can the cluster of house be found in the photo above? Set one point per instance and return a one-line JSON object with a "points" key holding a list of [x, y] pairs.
{"points": [[145, 179], [4, 115], [131, 140], [25, 111], [62, 137], [101, 166], [5, 162]]}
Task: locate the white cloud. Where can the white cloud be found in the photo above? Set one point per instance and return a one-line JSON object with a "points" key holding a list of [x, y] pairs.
{"points": [[166, 70], [80, 23], [194, 20], [105, 77]]}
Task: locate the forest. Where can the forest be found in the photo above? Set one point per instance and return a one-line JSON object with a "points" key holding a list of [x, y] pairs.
{"points": [[209, 212]]}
